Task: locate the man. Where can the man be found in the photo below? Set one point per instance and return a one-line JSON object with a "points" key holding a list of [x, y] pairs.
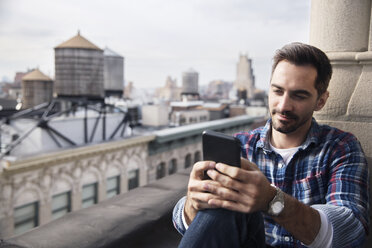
{"points": [[309, 181]]}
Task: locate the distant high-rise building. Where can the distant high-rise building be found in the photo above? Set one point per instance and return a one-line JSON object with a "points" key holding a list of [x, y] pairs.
{"points": [[190, 84], [170, 92], [128, 91], [218, 89], [14, 90], [18, 78], [79, 69], [245, 80], [113, 73], [37, 88]]}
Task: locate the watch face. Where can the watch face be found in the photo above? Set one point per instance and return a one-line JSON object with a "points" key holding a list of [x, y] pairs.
{"points": [[277, 207]]}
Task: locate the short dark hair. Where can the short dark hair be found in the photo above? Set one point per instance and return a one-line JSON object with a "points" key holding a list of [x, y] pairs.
{"points": [[302, 54]]}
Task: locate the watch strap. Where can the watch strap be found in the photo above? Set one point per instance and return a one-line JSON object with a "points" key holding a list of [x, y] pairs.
{"points": [[278, 198]]}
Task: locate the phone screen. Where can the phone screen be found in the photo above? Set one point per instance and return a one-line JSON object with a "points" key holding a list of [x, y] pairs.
{"points": [[221, 148]]}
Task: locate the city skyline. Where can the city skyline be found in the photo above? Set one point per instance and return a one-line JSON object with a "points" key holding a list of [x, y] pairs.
{"points": [[157, 38]]}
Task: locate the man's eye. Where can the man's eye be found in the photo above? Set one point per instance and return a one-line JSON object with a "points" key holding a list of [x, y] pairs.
{"points": [[300, 97]]}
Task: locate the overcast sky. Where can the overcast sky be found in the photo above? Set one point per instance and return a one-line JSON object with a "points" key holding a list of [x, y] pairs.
{"points": [[157, 37]]}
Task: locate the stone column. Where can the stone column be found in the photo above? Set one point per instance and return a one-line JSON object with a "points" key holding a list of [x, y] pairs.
{"points": [[123, 182], [342, 29], [6, 226], [45, 212], [340, 25], [76, 200], [101, 190]]}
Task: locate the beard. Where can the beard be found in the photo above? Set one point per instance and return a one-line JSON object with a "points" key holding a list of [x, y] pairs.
{"points": [[293, 123]]}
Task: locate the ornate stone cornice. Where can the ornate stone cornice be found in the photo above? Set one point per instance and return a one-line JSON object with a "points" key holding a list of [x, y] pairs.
{"points": [[350, 57], [69, 155]]}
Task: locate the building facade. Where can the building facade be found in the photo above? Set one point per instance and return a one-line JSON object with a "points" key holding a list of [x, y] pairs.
{"points": [[39, 189]]}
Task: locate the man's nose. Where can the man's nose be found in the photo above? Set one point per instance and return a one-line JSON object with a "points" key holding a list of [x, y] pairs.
{"points": [[285, 104]]}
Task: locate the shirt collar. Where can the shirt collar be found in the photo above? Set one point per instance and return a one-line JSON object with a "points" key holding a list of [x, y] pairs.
{"points": [[265, 133]]}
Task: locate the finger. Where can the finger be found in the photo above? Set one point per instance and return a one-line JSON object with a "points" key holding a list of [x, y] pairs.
{"points": [[224, 179], [230, 205], [231, 171], [223, 193], [248, 165], [199, 168], [199, 200], [201, 185]]}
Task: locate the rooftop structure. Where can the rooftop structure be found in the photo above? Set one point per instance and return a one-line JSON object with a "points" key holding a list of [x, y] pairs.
{"points": [[37, 88], [79, 69], [78, 42], [113, 73], [190, 84]]}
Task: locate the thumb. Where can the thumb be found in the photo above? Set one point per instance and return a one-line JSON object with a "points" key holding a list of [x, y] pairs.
{"points": [[248, 165]]}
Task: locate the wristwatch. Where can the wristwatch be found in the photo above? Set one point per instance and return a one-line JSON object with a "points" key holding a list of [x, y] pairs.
{"points": [[276, 205]]}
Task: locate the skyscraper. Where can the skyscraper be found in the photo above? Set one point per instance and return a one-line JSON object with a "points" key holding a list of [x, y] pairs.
{"points": [[244, 82]]}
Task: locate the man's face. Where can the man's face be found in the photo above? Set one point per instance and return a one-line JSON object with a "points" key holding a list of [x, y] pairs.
{"points": [[293, 97]]}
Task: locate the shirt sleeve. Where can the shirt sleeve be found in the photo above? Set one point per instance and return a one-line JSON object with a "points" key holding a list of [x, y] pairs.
{"points": [[184, 219], [346, 228], [347, 197], [177, 216], [324, 237]]}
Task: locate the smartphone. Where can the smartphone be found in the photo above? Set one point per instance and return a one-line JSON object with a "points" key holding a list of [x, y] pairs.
{"points": [[221, 148]]}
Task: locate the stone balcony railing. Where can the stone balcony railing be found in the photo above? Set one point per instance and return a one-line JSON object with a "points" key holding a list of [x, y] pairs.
{"points": [[140, 218]]}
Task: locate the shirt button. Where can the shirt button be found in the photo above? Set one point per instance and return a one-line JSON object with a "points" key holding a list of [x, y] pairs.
{"points": [[281, 165], [286, 238]]}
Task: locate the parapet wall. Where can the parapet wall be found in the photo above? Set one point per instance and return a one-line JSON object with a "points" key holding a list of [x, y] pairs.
{"points": [[139, 218]]}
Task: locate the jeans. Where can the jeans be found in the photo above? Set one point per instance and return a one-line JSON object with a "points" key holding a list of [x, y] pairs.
{"points": [[214, 228]]}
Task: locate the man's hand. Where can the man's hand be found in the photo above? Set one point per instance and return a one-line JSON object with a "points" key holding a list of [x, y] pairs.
{"points": [[243, 189], [197, 195], [247, 190]]}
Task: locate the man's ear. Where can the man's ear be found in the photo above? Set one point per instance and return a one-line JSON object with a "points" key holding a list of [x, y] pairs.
{"points": [[322, 101]]}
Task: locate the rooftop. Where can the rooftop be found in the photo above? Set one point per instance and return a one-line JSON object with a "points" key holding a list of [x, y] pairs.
{"points": [[78, 41], [36, 75], [110, 53]]}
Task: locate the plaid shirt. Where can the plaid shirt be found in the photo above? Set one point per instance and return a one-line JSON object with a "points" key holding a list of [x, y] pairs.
{"points": [[329, 172]]}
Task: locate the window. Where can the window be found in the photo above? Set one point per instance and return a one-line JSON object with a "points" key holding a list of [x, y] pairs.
{"points": [[188, 161], [89, 195], [26, 217], [61, 204], [112, 186], [182, 120], [197, 157], [133, 179], [160, 170], [172, 168]]}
